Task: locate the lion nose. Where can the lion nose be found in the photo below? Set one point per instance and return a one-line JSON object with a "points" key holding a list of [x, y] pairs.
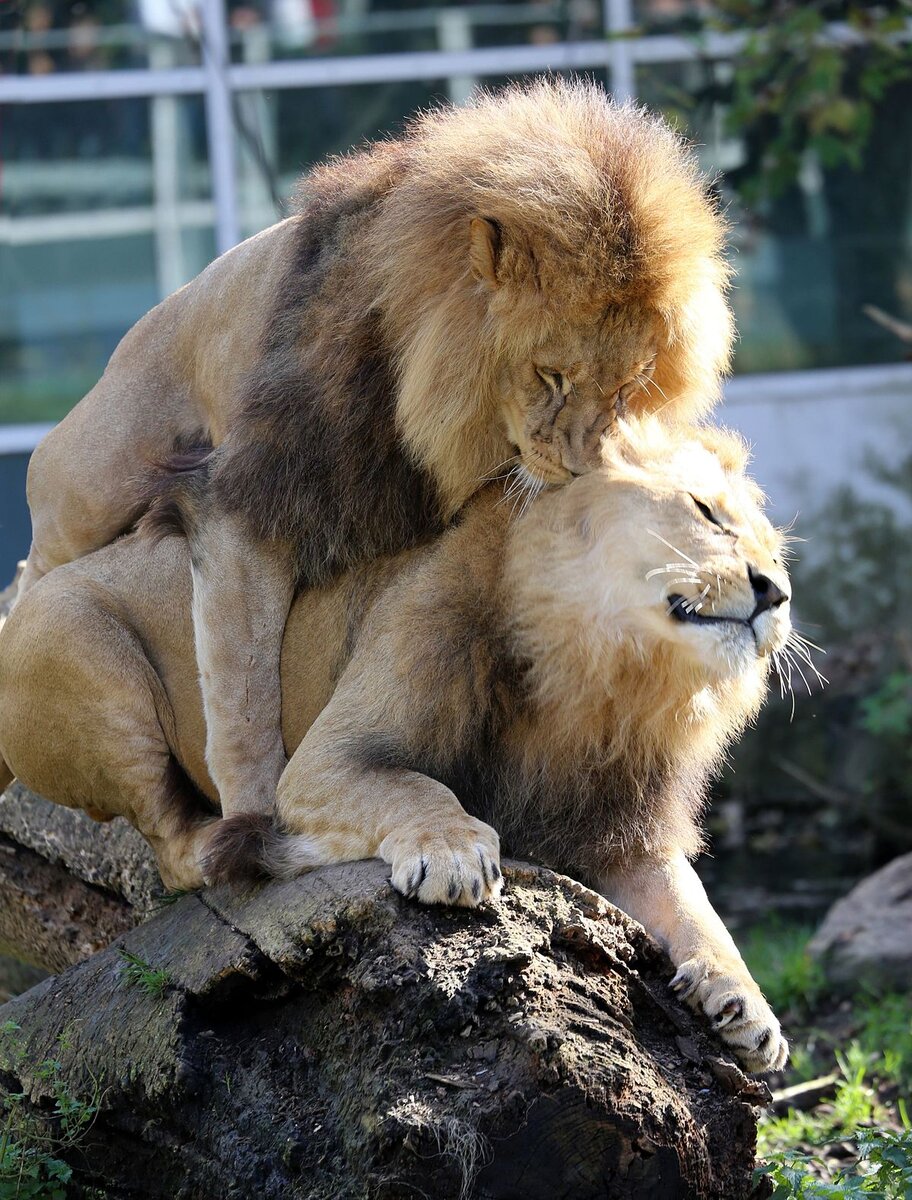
{"points": [[766, 593]]}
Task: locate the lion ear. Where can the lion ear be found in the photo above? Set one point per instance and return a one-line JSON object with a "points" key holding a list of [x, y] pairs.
{"points": [[484, 245]]}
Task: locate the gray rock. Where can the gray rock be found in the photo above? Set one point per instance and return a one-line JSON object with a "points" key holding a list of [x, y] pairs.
{"points": [[866, 938]]}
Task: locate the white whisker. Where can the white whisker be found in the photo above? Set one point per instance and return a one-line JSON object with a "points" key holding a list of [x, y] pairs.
{"points": [[673, 549]]}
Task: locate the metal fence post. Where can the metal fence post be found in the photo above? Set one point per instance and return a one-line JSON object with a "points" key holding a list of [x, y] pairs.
{"points": [[220, 124]]}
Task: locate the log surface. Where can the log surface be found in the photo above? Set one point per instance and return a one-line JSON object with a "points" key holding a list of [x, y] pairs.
{"points": [[326, 1039]]}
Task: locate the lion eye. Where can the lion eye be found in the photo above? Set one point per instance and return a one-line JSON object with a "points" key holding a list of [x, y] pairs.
{"points": [[551, 378], [707, 512]]}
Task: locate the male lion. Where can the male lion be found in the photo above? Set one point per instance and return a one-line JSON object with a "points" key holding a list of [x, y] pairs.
{"points": [[486, 292], [568, 678]]}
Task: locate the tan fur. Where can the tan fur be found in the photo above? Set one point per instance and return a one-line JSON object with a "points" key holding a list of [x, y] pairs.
{"points": [[520, 678], [488, 292]]}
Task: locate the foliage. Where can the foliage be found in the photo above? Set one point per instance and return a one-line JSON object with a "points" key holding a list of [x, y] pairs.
{"points": [[138, 973], [30, 1168], [884, 1170], [800, 86]]}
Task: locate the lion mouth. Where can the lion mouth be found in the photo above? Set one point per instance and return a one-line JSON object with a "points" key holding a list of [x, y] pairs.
{"points": [[679, 610]]}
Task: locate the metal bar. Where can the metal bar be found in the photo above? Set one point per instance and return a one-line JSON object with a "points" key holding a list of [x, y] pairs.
{"points": [[430, 64], [618, 21], [104, 223], [100, 85], [823, 383], [21, 439], [220, 124], [780, 387]]}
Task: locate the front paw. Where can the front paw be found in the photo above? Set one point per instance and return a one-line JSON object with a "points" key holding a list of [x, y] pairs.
{"points": [[734, 1004], [455, 860]]}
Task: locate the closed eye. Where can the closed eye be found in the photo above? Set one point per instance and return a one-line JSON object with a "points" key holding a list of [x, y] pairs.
{"points": [[551, 378], [707, 512]]}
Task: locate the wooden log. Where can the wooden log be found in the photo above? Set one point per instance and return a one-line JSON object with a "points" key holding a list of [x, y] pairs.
{"points": [[325, 1038]]}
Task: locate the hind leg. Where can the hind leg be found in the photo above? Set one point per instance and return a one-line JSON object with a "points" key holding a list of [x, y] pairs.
{"points": [[85, 722], [83, 475]]}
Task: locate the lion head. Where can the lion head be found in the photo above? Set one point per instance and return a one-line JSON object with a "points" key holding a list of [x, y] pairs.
{"points": [[545, 260], [654, 584]]}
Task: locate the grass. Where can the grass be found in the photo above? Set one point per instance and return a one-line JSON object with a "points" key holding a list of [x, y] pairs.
{"points": [[776, 955], [869, 1042], [138, 973]]}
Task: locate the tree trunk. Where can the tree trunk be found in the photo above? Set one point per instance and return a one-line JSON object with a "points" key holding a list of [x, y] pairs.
{"points": [[327, 1039]]}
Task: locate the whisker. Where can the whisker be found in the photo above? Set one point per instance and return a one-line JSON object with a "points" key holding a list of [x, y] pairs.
{"points": [[673, 549], [794, 663], [799, 637]]}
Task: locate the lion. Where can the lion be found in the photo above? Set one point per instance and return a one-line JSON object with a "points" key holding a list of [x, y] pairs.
{"points": [[565, 679], [482, 295]]}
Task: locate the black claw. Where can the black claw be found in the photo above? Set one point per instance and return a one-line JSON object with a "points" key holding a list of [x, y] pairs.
{"points": [[476, 889], [486, 869], [454, 889], [495, 871], [416, 880]]}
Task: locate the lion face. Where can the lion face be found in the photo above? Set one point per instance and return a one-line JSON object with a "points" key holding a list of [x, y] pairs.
{"points": [[664, 552], [701, 564], [558, 402]]}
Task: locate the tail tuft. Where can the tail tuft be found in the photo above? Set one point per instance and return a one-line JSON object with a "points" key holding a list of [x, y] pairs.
{"points": [[240, 849]]}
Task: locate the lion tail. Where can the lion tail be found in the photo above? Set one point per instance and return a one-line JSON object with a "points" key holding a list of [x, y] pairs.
{"points": [[248, 846], [6, 776]]}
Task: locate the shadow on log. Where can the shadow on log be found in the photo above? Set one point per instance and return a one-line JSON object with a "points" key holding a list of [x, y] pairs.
{"points": [[326, 1039]]}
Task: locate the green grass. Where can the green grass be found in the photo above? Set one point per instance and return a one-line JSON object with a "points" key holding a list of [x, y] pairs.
{"points": [[854, 1105], [138, 973], [884, 1170], [872, 1051], [776, 955]]}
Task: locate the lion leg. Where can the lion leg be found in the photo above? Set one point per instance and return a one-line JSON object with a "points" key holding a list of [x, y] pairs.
{"points": [[242, 594], [84, 720], [666, 896]]}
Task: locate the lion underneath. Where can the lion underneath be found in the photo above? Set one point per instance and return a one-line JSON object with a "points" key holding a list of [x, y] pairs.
{"points": [[565, 680]]}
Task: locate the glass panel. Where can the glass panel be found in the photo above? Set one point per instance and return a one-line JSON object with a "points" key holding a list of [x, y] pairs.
{"points": [[45, 37], [670, 16], [286, 29], [106, 208], [808, 262]]}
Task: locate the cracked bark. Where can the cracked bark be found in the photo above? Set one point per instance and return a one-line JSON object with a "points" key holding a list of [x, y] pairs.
{"points": [[326, 1040]]}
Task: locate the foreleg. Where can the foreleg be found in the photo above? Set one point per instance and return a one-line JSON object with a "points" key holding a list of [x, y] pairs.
{"points": [[666, 896]]}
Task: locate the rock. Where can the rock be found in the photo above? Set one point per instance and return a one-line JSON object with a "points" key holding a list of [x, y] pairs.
{"points": [[866, 937]]}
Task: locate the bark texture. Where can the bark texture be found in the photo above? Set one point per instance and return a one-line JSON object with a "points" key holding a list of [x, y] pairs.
{"points": [[327, 1040]]}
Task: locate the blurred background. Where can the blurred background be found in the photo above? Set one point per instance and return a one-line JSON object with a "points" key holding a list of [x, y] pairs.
{"points": [[140, 138]]}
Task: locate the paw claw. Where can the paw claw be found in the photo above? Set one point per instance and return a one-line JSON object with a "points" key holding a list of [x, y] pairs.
{"points": [[725, 993], [453, 862]]}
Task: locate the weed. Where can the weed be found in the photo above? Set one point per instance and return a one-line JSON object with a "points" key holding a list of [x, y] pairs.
{"points": [[138, 973], [29, 1145], [884, 1170]]}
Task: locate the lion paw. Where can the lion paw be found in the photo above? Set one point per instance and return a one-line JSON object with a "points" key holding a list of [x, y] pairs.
{"points": [[736, 1010], [458, 862]]}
